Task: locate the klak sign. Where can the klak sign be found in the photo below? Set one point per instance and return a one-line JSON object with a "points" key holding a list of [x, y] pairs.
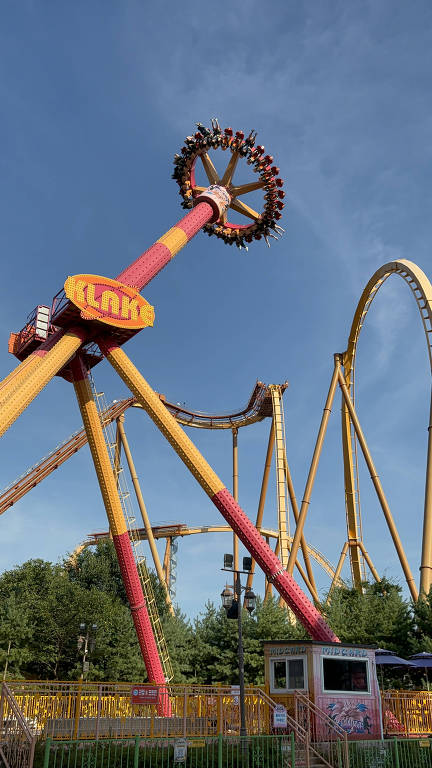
{"points": [[144, 694], [279, 716]]}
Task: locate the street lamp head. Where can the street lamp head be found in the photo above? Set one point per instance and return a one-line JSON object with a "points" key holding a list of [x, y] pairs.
{"points": [[228, 561], [250, 600], [227, 598], [82, 627]]}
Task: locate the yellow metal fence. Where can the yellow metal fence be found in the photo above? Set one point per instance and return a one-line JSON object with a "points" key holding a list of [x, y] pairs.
{"points": [[89, 710], [407, 713], [103, 710]]}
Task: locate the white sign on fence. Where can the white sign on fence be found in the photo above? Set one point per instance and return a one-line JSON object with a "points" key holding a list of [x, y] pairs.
{"points": [[279, 716], [180, 750]]}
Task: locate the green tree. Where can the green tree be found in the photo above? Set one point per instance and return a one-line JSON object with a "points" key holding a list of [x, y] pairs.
{"points": [[15, 632], [97, 567], [215, 654], [378, 615], [422, 634], [180, 639]]}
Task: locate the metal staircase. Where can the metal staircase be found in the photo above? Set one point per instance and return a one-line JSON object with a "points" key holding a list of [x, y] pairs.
{"points": [[137, 547]]}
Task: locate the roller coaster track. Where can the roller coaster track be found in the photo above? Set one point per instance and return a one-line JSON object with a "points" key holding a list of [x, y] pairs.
{"points": [[174, 530], [421, 289], [279, 441], [259, 407], [38, 472]]}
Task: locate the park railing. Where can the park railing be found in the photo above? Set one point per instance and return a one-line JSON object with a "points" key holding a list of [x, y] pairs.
{"points": [[17, 740], [406, 713], [328, 741], [391, 753], [271, 751], [64, 710], [206, 752]]}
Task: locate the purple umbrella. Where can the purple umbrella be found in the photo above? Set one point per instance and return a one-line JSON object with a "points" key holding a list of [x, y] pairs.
{"points": [[423, 660], [382, 657], [388, 657]]}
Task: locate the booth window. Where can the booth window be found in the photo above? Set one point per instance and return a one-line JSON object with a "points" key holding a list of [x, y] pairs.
{"points": [[345, 675], [288, 674]]}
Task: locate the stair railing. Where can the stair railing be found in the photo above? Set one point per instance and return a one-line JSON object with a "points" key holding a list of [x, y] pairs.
{"points": [[327, 738], [17, 742]]}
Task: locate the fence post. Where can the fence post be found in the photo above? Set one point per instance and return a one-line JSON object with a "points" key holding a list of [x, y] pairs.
{"points": [[220, 748], [219, 714], [77, 709], [396, 752], [307, 755], [99, 707], [185, 703], [292, 749], [339, 754], [2, 702], [47, 752], [136, 751]]}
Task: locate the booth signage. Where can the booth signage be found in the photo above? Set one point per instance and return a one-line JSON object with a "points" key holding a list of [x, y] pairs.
{"points": [[144, 695], [109, 301], [279, 716], [287, 650], [180, 750], [352, 653]]}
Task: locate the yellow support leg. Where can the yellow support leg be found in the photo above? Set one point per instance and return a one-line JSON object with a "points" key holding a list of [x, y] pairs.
{"points": [[17, 376], [157, 411], [143, 510], [51, 363]]}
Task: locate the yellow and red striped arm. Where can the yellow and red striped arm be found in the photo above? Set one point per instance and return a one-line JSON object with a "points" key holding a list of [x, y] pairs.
{"points": [[120, 533], [155, 258], [219, 494]]}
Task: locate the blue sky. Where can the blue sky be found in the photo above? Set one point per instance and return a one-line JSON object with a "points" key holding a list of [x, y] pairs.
{"points": [[96, 98]]}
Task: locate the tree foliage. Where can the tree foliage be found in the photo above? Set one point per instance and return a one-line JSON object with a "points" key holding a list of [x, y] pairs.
{"points": [[377, 616], [42, 606]]}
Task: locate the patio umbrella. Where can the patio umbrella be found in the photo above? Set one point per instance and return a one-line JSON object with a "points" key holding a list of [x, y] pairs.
{"points": [[384, 657], [388, 657], [423, 660]]}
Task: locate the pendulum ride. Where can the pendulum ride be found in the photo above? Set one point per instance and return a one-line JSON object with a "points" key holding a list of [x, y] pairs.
{"points": [[94, 316]]}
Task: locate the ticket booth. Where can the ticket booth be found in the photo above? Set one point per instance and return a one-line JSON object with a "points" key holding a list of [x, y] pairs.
{"points": [[340, 679]]}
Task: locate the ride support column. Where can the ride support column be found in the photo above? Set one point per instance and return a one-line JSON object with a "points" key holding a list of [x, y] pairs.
{"points": [[120, 534], [142, 507], [51, 357], [220, 496], [17, 376]]}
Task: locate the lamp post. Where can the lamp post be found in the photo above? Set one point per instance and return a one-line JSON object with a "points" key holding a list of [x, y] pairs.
{"points": [[232, 604], [86, 643]]}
